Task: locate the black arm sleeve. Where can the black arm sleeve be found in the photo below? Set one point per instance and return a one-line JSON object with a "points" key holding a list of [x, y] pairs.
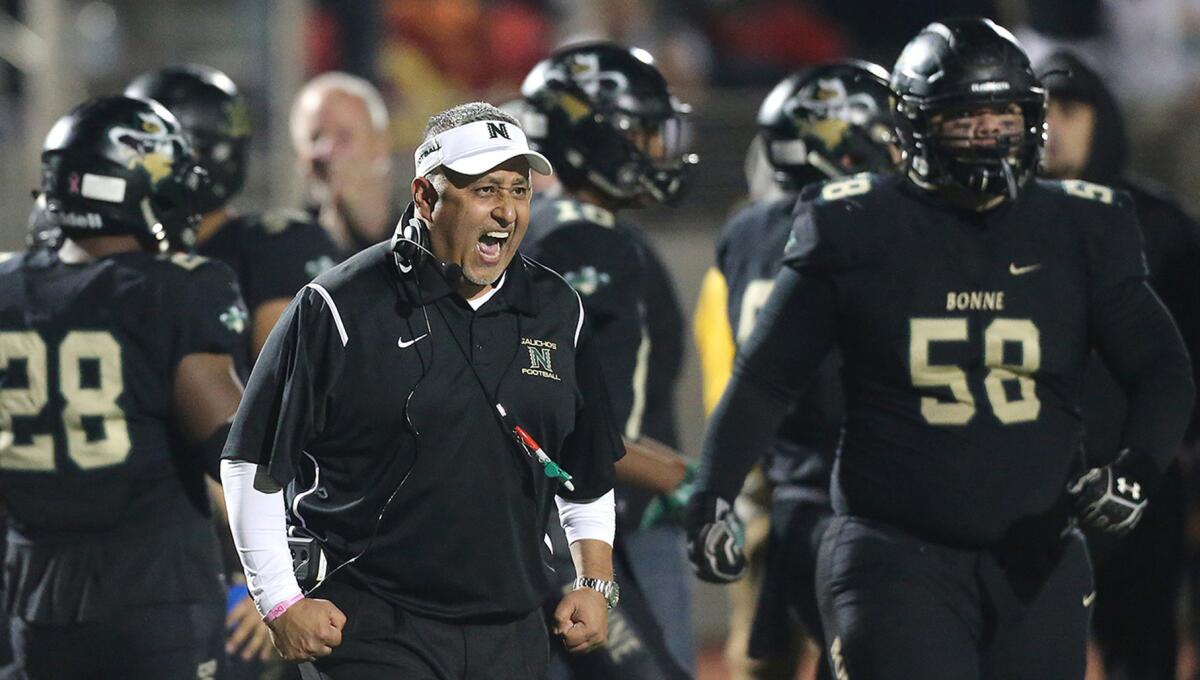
{"points": [[794, 332], [594, 446], [1139, 343]]}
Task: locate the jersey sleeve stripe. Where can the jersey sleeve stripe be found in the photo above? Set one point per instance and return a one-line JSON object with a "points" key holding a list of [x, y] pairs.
{"points": [[337, 318], [578, 326]]}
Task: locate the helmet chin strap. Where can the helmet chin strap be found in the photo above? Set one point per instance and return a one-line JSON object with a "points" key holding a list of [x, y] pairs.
{"points": [[1010, 179]]}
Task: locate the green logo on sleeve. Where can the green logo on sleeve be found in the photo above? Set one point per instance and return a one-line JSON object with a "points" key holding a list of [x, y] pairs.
{"points": [[235, 318]]}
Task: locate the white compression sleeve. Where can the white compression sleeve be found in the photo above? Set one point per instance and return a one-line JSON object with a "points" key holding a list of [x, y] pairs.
{"points": [[259, 528], [595, 519]]}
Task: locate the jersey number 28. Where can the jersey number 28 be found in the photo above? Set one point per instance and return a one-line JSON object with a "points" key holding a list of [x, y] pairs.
{"points": [[90, 380]]}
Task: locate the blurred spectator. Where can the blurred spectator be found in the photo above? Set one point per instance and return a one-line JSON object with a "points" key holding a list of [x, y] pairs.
{"points": [[339, 127], [1139, 579]]}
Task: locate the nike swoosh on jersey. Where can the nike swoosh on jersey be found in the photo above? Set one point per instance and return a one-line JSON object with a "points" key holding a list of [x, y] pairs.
{"points": [[410, 343], [1087, 599], [1017, 271]]}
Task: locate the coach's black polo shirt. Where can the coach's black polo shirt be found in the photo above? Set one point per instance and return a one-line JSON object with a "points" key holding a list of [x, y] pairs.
{"points": [[372, 377]]}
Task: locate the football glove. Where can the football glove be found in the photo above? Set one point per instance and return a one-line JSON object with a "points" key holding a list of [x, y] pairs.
{"points": [[715, 539], [1110, 498], [672, 506]]}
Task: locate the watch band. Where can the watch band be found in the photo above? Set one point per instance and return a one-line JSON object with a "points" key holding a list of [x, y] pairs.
{"points": [[608, 589]]}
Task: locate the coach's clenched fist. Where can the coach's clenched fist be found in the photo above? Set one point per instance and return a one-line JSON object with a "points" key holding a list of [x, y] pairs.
{"points": [[581, 620], [307, 630]]}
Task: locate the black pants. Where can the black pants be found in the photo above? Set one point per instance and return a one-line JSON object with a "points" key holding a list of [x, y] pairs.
{"points": [[384, 642], [788, 598], [1139, 581], [896, 608], [175, 641]]}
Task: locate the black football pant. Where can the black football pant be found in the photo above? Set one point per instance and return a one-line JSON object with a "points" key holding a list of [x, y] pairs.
{"points": [[174, 641], [382, 642], [896, 607], [1139, 582], [788, 598]]}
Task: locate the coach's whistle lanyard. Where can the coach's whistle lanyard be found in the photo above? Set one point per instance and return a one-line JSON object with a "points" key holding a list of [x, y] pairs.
{"points": [[535, 451]]}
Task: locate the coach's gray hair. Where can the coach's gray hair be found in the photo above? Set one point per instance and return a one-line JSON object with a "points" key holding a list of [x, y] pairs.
{"points": [[471, 112]]}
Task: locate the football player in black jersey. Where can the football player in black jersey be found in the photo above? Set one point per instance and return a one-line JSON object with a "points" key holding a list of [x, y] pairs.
{"points": [[965, 299], [116, 388], [1139, 579], [831, 121], [274, 254], [603, 115]]}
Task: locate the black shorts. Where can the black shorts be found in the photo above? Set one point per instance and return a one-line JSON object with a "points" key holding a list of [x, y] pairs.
{"points": [[381, 642], [896, 607], [172, 641]]}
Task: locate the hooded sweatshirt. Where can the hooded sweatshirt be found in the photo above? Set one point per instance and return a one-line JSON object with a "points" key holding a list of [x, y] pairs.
{"points": [[1172, 245]]}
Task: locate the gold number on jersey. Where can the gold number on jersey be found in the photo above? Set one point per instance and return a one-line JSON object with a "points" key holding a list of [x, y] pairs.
{"points": [[1021, 409], [82, 399], [924, 332], [1088, 190], [25, 348], [1022, 331], [570, 211], [99, 401], [753, 299], [846, 188]]}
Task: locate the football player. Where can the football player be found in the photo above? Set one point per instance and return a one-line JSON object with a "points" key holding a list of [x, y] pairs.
{"points": [[1138, 579], [832, 121], [116, 388], [604, 117], [273, 254], [965, 299]]}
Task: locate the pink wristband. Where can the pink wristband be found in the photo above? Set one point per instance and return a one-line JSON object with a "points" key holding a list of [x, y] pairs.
{"points": [[278, 610]]}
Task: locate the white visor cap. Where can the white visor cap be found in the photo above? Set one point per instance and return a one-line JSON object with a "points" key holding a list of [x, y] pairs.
{"points": [[475, 148]]}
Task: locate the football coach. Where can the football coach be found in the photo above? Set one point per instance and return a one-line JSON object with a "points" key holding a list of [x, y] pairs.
{"points": [[413, 414]]}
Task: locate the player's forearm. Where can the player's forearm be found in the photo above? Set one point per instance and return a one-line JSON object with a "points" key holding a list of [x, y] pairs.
{"points": [[256, 519], [650, 465], [1142, 347], [794, 333]]}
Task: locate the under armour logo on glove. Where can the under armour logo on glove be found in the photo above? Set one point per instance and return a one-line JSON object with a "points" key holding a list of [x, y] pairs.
{"points": [[715, 539], [1107, 501]]}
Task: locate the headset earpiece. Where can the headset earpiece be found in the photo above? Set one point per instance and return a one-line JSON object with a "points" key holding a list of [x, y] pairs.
{"points": [[410, 240]]}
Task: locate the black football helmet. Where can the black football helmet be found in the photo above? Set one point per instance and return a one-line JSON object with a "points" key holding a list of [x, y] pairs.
{"points": [[214, 117], [830, 121], [604, 117], [952, 68], [118, 165]]}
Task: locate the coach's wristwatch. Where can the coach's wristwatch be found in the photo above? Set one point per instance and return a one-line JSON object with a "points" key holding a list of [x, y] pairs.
{"points": [[608, 589]]}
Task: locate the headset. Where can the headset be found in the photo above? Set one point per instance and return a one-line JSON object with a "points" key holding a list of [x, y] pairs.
{"points": [[410, 250]]}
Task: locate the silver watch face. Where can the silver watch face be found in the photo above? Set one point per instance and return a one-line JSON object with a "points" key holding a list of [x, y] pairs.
{"points": [[613, 595]]}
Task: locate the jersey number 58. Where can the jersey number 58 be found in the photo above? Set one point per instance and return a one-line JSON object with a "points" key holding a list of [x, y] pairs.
{"points": [[1020, 409]]}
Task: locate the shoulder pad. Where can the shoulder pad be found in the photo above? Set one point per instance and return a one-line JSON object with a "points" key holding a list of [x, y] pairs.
{"points": [[841, 189], [1091, 192], [187, 261], [568, 210], [4, 257]]}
